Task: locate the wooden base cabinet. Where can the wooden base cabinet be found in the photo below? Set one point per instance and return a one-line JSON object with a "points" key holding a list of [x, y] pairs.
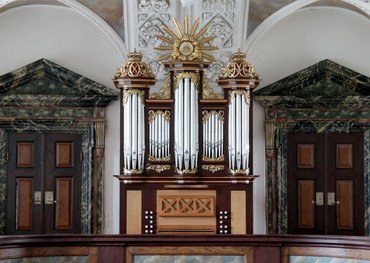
{"points": [[165, 207]]}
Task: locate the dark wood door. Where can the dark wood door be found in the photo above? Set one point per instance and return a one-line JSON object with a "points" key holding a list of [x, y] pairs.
{"points": [[44, 182], [325, 184]]}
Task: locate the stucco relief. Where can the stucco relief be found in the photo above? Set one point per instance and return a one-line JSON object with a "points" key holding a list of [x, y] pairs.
{"points": [[152, 14]]}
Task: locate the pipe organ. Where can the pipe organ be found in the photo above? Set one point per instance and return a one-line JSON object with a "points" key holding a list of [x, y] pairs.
{"points": [[186, 151]]}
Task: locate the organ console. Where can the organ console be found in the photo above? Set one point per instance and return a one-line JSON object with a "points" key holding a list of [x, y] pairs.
{"points": [[186, 151]]}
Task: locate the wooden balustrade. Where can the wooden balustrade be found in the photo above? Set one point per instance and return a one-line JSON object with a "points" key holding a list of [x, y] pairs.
{"points": [[119, 248]]}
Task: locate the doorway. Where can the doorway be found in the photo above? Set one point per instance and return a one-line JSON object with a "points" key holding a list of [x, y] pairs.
{"points": [[44, 183], [325, 184]]}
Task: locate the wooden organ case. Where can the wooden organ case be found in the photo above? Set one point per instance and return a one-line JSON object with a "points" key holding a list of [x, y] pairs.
{"points": [[186, 151]]}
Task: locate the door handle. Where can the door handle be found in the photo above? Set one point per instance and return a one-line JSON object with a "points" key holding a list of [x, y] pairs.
{"points": [[331, 199], [319, 199], [49, 197]]}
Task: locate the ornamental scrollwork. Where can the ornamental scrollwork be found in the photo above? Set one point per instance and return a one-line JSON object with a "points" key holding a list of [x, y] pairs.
{"points": [[193, 76], [152, 114]]}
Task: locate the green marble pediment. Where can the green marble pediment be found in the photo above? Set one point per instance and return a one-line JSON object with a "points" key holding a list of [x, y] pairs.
{"points": [[323, 85], [44, 83]]}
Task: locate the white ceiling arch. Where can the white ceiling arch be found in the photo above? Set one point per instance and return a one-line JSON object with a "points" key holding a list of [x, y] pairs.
{"points": [[363, 7], [88, 14]]}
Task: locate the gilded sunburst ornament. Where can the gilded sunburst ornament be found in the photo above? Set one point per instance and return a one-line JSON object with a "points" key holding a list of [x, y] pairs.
{"points": [[186, 44]]}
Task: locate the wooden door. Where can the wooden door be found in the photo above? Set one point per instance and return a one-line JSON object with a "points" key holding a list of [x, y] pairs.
{"points": [[345, 184], [24, 184], [325, 184], [44, 182]]}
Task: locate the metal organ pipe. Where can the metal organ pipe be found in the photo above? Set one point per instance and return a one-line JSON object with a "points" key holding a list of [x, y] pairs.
{"points": [[186, 126], [239, 132], [134, 132], [212, 134]]}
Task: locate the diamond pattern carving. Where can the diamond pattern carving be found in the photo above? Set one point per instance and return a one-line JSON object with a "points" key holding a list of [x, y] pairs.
{"points": [[177, 205]]}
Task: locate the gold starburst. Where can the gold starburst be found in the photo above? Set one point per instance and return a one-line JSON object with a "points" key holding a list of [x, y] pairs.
{"points": [[186, 44]]}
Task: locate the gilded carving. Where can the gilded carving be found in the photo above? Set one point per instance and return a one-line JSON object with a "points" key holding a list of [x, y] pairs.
{"points": [[240, 171], [164, 159], [130, 92], [206, 114], [152, 114], [213, 168], [209, 93], [164, 92], [177, 205], [194, 78], [186, 44], [245, 93], [208, 159], [159, 167], [238, 68], [134, 68]]}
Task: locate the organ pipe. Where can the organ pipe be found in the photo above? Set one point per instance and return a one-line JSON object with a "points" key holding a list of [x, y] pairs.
{"points": [[159, 127], [238, 79], [212, 139], [186, 145], [133, 79]]}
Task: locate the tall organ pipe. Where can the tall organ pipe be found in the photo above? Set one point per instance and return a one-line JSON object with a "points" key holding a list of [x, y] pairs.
{"points": [[238, 132], [134, 132], [186, 126]]}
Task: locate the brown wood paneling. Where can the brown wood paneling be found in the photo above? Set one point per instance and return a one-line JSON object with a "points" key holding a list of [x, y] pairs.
{"points": [[111, 254], [306, 211], [266, 255], [344, 156], [24, 203], [25, 154], [345, 211], [306, 156], [64, 154], [63, 206]]}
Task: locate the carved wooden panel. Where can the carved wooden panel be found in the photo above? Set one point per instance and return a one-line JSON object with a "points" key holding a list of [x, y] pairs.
{"points": [[24, 204], [177, 205], [25, 154], [306, 156], [344, 155], [64, 155], [306, 211], [63, 206], [345, 211]]}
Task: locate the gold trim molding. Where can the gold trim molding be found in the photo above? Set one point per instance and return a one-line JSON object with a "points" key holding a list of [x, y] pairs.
{"points": [[213, 168]]}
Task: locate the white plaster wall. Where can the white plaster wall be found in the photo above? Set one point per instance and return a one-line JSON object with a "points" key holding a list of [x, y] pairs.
{"points": [[298, 41], [65, 37]]}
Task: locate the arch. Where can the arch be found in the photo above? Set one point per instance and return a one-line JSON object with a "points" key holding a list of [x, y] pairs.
{"points": [[288, 10], [93, 18]]}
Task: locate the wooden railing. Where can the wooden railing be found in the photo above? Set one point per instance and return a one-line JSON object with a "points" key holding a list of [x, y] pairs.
{"points": [[118, 248]]}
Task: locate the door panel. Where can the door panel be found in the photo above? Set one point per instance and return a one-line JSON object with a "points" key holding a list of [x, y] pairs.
{"points": [[306, 209], [325, 184], [344, 205], [24, 204], [63, 205], [44, 182]]}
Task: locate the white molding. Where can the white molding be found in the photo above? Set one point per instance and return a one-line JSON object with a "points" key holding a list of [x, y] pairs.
{"points": [[93, 18], [288, 10]]}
